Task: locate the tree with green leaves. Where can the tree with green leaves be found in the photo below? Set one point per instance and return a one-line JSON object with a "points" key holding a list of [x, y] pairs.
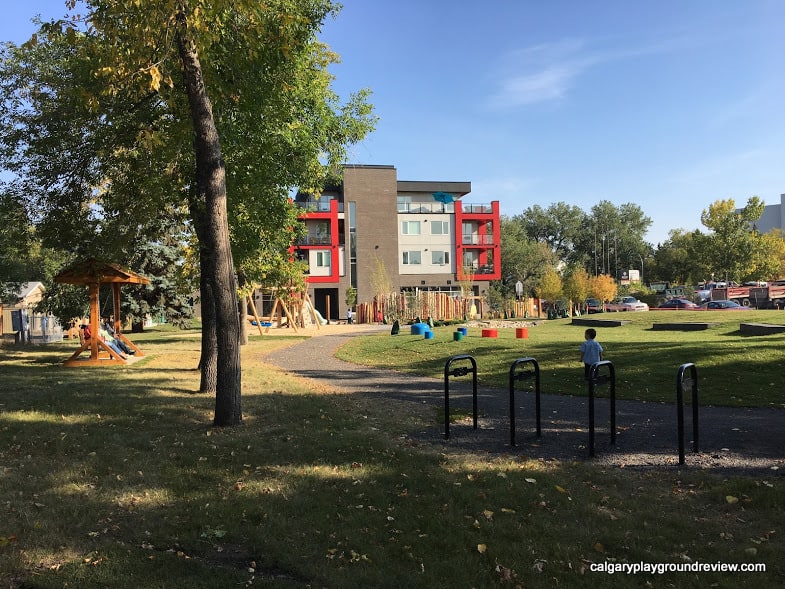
{"points": [[14, 242], [550, 286], [614, 238], [681, 259], [103, 110], [168, 297], [577, 285], [603, 288], [769, 255], [732, 241], [523, 258], [559, 226]]}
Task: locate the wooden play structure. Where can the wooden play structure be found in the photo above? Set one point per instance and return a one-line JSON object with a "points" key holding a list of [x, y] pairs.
{"points": [[299, 313], [94, 273]]}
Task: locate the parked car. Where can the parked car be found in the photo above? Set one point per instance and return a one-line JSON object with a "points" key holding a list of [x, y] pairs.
{"points": [[678, 304], [627, 304], [723, 306], [593, 306]]}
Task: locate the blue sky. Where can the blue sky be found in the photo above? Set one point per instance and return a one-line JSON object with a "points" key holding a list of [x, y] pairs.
{"points": [[668, 104]]}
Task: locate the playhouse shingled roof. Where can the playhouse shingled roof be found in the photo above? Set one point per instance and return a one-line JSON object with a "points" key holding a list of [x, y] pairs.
{"points": [[93, 271]]}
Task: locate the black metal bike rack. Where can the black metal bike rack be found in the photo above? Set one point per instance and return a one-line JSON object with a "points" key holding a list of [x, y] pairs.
{"points": [[521, 375], [681, 384], [459, 371], [595, 379]]}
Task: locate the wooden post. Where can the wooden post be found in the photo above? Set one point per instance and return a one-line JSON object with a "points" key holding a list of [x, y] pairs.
{"points": [[272, 315], [255, 314], [118, 324], [95, 310], [289, 317], [328, 310]]}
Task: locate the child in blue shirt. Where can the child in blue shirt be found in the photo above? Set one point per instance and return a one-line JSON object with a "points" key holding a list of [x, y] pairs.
{"points": [[591, 351]]}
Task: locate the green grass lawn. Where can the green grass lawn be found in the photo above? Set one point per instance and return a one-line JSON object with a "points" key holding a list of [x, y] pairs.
{"points": [[733, 369], [113, 477]]}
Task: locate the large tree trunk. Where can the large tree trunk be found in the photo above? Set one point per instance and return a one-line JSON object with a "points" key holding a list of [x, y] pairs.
{"points": [[208, 361], [211, 183]]}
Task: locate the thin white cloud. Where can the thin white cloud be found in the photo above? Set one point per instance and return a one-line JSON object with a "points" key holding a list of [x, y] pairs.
{"points": [[543, 86], [541, 73], [547, 72]]}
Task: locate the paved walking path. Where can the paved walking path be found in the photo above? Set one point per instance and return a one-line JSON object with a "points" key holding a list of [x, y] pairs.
{"points": [[731, 440]]}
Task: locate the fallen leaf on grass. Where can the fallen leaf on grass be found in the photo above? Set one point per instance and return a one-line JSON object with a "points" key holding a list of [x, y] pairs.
{"points": [[506, 575], [482, 548], [731, 499], [6, 540]]}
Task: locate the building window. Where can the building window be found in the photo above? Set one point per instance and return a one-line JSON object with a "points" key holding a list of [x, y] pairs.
{"points": [[440, 228], [410, 258], [410, 227], [440, 258], [323, 259], [471, 260]]}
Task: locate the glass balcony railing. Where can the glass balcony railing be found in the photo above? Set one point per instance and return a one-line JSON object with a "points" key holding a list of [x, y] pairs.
{"points": [[480, 269], [486, 269], [314, 240], [467, 208], [477, 239], [317, 205], [426, 207]]}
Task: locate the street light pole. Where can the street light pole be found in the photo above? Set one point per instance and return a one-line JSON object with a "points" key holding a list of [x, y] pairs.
{"points": [[615, 255], [641, 257]]}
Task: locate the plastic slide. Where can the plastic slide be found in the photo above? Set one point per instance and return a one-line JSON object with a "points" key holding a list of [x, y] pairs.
{"points": [[319, 318]]}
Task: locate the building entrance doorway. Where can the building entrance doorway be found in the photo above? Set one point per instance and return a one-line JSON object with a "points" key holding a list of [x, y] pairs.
{"points": [[325, 300]]}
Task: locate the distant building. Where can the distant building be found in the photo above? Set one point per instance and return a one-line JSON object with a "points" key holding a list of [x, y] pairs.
{"points": [[21, 324], [421, 233], [773, 217]]}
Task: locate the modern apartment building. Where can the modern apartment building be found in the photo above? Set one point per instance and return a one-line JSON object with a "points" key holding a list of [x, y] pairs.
{"points": [[418, 234], [773, 217]]}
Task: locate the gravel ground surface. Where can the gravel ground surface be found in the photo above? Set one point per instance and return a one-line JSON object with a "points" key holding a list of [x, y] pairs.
{"points": [[731, 440]]}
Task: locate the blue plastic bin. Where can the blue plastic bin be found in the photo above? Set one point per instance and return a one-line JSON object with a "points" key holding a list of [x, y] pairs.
{"points": [[419, 328]]}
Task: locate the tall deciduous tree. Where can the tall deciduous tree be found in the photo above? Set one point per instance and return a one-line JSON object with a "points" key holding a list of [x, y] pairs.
{"points": [[14, 240], [577, 285], [603, 287], [550, 286], [732, 239], [130, 86], [769, 256], [559, 226], [681, 258], [614, 238], [523, 259]]}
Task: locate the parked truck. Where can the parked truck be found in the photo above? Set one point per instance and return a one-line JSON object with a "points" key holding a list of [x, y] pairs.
{"points": [[771, 296]]}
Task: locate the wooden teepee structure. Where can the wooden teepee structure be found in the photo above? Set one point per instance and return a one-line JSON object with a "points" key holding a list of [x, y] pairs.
{"points": [[94, 273]]}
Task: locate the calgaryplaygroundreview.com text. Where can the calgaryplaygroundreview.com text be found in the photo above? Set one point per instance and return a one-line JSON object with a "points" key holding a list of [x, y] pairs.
{"points": [[660, 568]]}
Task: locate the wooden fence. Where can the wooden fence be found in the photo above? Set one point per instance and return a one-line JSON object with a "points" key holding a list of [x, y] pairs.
{"points": [[440, 307]]}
